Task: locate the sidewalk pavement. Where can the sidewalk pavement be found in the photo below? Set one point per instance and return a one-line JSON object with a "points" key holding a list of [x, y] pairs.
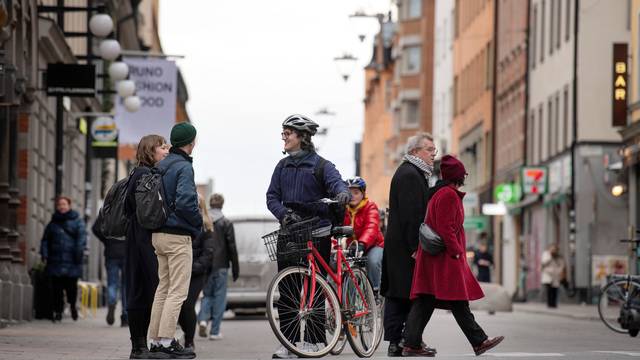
{"points": [[573, 311], [88, 338]]}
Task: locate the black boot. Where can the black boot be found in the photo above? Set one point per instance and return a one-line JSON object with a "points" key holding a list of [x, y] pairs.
{"points": [[139, 350], [124, 321], [110, 314]]}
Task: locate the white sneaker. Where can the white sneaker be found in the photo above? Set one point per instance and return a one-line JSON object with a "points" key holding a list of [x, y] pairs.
{"points": [[216, 337], [202, 329], [283, 353]]}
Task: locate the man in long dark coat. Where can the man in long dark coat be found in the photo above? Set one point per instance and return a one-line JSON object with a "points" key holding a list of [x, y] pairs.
{"points": [[407, 207]]}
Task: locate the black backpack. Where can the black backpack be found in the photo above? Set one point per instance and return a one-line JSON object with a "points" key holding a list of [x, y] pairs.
{"points": [[152, 209], [112, 221]]}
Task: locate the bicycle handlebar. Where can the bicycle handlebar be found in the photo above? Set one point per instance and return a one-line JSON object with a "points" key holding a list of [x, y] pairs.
{"points": [[630, 240]]}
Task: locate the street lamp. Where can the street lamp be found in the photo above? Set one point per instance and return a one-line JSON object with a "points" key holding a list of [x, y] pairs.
{"points": [[110, 49], [101, 25], [363, 24], [345, 64], [132, 103], [126, 88], [118, 71]]}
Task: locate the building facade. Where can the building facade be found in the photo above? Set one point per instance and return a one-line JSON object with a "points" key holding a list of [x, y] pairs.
{"points": [[509, 135], [38, 132], [570, 133], [379, 90], [473, 69]]}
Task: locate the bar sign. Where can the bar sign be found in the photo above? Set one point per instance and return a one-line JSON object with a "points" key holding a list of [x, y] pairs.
{"points": [[620, 89]]}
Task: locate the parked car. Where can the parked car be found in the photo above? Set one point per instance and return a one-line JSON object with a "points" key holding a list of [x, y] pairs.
{"points": [[249, 292]]}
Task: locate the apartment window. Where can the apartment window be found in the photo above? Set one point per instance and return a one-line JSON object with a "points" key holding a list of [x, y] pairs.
{"points": [[550, 133], [410, 113], [539, 132], [531, 137], [565, 117], [411, 60], [489, 65], [533, 40], [542, 11], [559, 23], [556, 125], [413, 9], [456, 96], [452, 29], [567, 23], [552, 26]]}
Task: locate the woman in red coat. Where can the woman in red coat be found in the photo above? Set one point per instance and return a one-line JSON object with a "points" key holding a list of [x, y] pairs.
{"points": [[445, 278], [362, 214]]}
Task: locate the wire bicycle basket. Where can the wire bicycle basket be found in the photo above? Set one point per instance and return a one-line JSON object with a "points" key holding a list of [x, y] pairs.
{"points": [[290, 243]]}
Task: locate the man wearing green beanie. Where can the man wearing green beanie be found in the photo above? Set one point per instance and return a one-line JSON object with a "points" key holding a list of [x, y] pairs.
{"points": [[172, 242]]}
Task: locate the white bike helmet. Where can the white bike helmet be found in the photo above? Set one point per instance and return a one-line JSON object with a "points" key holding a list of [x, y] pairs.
{"points": [[301, 123]]}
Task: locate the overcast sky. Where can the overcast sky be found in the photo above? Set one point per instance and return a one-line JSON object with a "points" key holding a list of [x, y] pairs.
{"points": [[248, 65]]}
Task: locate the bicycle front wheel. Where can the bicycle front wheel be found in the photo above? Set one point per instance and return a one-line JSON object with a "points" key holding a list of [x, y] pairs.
{"points": [[614, 296], [363, 326], [306, 323]]}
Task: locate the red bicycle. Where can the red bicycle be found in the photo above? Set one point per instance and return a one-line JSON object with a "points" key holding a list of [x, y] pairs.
{"points": [[305, 312]]}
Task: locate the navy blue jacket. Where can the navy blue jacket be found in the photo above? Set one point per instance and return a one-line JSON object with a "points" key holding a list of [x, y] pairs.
{"points": [[63, 244], [293, 184], [180, 190]]}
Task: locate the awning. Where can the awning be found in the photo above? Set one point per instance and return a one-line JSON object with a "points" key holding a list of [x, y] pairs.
{"points": [[528, 200]]}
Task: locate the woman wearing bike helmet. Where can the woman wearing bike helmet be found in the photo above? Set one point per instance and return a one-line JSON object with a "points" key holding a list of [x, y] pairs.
{"points": [[300, 179], [362, 214]]}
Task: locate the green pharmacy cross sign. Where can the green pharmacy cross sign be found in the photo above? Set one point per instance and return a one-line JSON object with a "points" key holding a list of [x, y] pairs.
{"points": [[507, 193]]}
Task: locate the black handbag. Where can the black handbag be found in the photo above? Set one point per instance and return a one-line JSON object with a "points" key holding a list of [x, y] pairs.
{"points": [[430, 241]]}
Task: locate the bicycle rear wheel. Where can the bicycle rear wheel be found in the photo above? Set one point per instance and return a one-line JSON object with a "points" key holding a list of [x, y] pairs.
{"points": [[613, 297], [363, 325], [340, 345], [309, 326]]}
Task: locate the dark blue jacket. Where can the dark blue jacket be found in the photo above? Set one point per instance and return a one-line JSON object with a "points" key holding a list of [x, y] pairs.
{"points": [[63, 244], [182, 197], [293, 184]]}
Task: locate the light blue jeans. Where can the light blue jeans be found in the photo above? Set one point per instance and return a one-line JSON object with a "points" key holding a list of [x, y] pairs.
{"points": [[214, 301], [374, 266], [115, 282]]}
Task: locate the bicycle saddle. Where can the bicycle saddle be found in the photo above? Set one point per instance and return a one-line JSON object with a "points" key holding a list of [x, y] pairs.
{"points": [[342, 231]]}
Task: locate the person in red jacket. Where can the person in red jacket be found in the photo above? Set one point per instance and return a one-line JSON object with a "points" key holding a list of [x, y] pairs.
{"points": [[362, 214], [445, 279]]}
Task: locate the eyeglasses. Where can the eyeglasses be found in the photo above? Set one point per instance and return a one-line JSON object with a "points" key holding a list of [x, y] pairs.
{"points": [[431, 149], [286, 134]]}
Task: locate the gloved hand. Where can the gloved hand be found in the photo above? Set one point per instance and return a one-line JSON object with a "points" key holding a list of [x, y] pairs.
{"points": [[343, 198], [291, 218]]}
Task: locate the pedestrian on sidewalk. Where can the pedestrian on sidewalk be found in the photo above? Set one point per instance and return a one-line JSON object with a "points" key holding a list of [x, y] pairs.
{"points": [[407, 205], [445, 280], [114, 255], [483, 260], [62, 250], [363, 216], [214, 300], [553, 272], [202, 248], [141, 270], [172, 242]]}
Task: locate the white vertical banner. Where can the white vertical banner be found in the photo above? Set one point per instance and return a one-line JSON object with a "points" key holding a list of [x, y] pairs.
{"points": [[156, 86]]}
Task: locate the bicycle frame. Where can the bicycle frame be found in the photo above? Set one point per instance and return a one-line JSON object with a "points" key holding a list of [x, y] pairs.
{"points": [[336, 276]]}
